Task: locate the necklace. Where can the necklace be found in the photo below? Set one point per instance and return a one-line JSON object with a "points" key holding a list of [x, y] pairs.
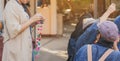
{"points": [[38, 39]]}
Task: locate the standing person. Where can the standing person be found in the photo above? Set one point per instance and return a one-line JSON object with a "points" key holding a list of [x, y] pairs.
{"points": [[17, 36], [102, 50]]}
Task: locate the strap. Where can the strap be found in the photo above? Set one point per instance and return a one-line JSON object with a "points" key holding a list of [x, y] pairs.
{"points": [[106, 54], [5, 2], [89, 52]]}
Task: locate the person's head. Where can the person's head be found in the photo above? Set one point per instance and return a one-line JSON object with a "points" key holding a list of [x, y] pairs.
{"points": [[23, 1], [109, 31]]}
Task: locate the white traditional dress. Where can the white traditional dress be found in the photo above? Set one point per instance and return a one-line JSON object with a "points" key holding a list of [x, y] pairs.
{"points": [[17, 47]]}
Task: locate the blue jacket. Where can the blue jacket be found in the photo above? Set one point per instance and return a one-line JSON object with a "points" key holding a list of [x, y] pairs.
{"points": [[71, 49], [117, 22], [75, 45], [90, 34], [97, 52], [87, 37]]}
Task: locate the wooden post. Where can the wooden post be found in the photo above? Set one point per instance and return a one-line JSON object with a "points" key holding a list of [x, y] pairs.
{"points": [[53, 17], [95, 9], [101, 7], [33, 7]]}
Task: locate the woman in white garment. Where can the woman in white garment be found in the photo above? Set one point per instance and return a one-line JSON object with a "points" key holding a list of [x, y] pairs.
{"points": [[17, 37]]}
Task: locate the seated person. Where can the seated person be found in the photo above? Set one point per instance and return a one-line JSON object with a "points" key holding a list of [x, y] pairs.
{"points": [[105, 49], [86, 35], [89, 36]]}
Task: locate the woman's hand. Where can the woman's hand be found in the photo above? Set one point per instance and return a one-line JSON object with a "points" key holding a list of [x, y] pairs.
{"points": [[32, 20], [36, 17], [111, 8]]}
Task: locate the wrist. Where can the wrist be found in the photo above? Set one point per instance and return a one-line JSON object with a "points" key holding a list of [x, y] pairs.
{"points": [[31, 21], [109, 11]]}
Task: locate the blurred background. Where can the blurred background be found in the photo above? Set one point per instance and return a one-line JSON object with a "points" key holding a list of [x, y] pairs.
{"points": [[61, 19]]}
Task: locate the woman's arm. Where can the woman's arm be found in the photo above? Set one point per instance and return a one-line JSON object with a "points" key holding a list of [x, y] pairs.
{"points": [[110, 10], [32, 20], [104, 17]]}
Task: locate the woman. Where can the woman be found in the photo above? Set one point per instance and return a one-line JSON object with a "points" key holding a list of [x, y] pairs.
{"points": [[17, 36]]}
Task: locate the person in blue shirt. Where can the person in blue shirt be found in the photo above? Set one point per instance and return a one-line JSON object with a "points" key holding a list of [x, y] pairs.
{"points": [[78, 31], [89, 36], [109, 37], [72, 40]]}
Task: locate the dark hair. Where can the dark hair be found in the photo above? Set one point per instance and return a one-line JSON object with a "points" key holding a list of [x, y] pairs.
{"points": [[5, 2], [102, 41], [79, 27], [26, 8], [79, 32]]}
